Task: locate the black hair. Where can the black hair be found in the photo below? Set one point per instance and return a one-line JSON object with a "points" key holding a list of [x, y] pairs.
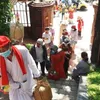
{"points": [[84, 56], [46, 28], [69, 45]]}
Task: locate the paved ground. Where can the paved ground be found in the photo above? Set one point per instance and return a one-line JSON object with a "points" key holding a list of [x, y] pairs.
{"points": [[64, 89], [3, 97], [67, 89]]}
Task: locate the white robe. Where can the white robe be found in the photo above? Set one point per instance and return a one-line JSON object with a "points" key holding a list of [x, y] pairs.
{"points": [[16, 77], [74, 35]]}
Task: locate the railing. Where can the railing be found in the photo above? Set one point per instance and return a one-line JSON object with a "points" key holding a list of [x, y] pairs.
{"points": [[22, 10]]}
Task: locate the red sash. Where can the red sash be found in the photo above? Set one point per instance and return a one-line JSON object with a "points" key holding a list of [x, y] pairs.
{"points": [[18, 55]]}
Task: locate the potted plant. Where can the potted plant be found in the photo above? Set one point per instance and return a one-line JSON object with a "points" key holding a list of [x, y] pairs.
{"points": [[5, 17]]}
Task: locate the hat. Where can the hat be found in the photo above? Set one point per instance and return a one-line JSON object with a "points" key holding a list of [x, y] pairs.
{"points": [[73, 27], [4, 41], [40, 41]]}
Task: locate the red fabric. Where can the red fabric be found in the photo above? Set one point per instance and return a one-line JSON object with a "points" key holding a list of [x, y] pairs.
{"points": [[56, 7], [66, 33], [73, 27], [3, 65], [3, 71], [0, 81], [80, 24], [53, 77], [71, 16], [4, 41], [20, 59], [57, 61]]}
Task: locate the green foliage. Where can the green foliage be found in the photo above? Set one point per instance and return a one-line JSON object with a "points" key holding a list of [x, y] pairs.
{"points": [[5, 17], [94, 84]]}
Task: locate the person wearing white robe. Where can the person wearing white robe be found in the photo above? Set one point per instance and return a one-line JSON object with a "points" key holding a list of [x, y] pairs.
{"points": [[74, 33], [21, 85], [25, 92]]}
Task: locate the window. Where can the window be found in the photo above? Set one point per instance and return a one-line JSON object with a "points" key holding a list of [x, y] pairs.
{"points": [[22, 10]]}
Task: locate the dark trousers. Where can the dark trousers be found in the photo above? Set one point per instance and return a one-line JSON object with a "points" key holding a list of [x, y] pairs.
{"points": [[42, 64], [66, 63], [66, 66], [79, 33], [62, 16]]}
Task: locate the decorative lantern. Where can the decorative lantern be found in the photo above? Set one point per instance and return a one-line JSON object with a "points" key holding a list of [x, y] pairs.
{"points": [[17, 30]]}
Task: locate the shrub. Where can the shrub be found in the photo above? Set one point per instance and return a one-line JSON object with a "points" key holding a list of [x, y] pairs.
{"points": [[5, 17], [94, 84]]}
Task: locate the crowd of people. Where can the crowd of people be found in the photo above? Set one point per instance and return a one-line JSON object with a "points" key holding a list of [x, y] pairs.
{"points": [[56, 59], [68, 16], [19, 67]]}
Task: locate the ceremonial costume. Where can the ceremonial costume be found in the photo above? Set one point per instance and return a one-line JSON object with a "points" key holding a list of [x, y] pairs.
{"points": [[57, 61], [19, 72], [74, 33], [71, 15], [80, 25]]}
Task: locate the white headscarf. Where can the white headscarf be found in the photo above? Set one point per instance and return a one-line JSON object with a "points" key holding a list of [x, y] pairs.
{"points": [[40, 41]]}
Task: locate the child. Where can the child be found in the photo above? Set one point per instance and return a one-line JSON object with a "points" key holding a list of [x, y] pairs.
{"points": [[47, 37], [63, 25], [66, 16], [80, 25], [62, 8], [65, 48], [64, 36], [74, 35], [71, 15], [72, 57]]}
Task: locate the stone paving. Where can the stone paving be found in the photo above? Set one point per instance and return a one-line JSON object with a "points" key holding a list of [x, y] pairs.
{"points": [[82, 89], [64, 89], [4, 96]]}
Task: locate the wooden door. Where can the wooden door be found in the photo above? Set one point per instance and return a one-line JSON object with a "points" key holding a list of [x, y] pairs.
{"points": [[36, 23], [47, 16]]}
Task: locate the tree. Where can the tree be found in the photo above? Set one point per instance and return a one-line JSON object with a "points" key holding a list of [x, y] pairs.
{"points": [[95, 53], [5, 17]]}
